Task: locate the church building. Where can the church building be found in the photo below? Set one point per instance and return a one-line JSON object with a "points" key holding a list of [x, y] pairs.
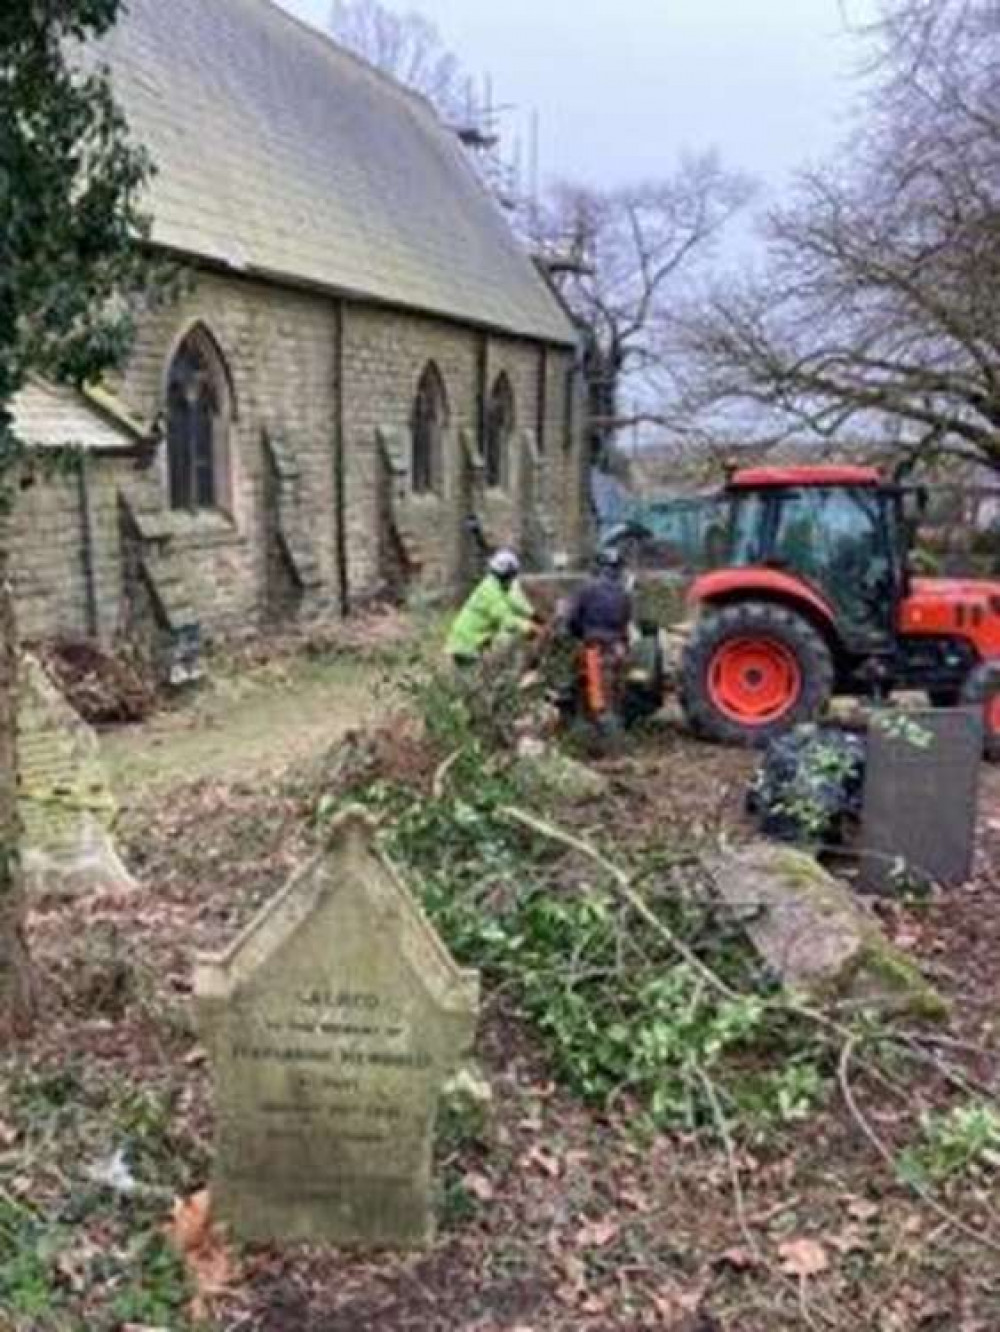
{"points": [[362, 356]]}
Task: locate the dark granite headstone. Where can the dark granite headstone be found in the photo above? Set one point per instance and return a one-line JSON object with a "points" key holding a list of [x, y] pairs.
{"points": [[921, 784]]}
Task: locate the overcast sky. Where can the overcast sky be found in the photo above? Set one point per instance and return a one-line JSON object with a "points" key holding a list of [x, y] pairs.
{"points": [[623, 86]]}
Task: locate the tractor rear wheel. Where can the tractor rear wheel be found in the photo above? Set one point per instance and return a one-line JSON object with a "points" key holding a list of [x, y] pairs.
{"points": [[752, 671], [982, 686]]}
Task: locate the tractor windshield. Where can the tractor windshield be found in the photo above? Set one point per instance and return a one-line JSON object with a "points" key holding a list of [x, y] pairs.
{"points": [[835, 537]]}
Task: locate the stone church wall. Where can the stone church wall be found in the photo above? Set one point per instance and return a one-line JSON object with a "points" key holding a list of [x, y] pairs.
{"points": [[50, 555], [385, 354], [280, 347]]}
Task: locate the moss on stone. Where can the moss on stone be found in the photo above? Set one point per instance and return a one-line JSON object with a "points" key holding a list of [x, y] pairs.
{"points": [[875, 970], [889, 976]]}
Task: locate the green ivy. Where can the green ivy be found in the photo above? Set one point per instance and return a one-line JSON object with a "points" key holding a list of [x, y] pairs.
{"points": [[616, 1011], [75, 269], [959, 1143]]}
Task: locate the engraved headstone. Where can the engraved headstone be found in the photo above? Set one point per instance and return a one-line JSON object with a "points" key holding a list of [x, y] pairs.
{"points": [[65, 802], [332, 1022], [919, 811]]}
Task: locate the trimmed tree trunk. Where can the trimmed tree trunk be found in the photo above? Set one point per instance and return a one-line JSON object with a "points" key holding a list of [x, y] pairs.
{"points": [[603, 378], [17, 991]]}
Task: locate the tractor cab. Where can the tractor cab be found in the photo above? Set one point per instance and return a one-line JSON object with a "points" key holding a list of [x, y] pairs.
{"points": [[810, 592], [837, 530]]}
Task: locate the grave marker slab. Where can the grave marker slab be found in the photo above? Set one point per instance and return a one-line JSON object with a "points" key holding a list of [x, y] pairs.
{"points": [[920, 801], [333, 1021], [65, 802]]}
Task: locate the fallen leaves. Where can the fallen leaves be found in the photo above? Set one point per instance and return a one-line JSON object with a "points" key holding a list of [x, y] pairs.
{"points": [[852, 1239], [541, 1245], [478, 1184], [862, 1210], [545, 1161], [201, 1243], [803, 1258], [739, 1259], [675, 1302], [597, 1234]]}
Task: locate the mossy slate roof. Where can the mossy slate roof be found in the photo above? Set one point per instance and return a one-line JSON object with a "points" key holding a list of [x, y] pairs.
{"points": [[50, 416], [281, 154]]}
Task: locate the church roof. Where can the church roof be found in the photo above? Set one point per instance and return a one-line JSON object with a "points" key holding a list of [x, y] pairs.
{"points": [[282, 155]]}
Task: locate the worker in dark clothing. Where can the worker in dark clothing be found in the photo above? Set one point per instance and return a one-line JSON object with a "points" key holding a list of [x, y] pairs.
{"points": [[600, 618]]}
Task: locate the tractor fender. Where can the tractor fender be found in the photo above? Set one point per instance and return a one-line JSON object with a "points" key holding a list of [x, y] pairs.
{"points": [[727, 585]]}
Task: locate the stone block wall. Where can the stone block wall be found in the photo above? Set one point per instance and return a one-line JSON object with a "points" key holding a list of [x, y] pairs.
{"points": [[49, 562], [385, 354], [280, 348]]}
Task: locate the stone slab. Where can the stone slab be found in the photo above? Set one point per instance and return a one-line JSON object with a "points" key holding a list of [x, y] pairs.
{"points": [[920, 797], [813, 934], [333, 1022], [87, 865], [65, 801]]}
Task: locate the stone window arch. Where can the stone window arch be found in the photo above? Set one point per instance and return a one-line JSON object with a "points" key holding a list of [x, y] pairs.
{"points": [[430, 421], [500, 423], [199, 413]]}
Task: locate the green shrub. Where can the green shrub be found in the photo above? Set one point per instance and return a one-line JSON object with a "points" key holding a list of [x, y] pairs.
{"points": [[618, 1013], [964, 1141]]}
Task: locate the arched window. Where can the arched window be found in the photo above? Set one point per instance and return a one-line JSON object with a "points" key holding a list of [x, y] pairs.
{"points": [[199, 410], [430, 420], [499, 429]]}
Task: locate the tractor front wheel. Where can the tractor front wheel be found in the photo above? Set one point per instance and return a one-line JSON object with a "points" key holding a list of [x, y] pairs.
{"points": [[982, 687], [752, 671]]}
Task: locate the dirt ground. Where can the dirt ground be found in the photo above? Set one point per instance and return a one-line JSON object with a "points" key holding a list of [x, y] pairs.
{"points": [[561, 1218]]}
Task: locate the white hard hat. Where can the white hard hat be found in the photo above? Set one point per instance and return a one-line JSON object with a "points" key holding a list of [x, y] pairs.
{"points": [[504, 564]]}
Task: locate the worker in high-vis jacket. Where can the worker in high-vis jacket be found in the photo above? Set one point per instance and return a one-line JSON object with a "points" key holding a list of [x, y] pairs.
{"points": [[496, 613]]}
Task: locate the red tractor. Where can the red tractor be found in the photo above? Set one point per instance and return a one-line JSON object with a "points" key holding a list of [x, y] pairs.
{"points": [[812, 594]]}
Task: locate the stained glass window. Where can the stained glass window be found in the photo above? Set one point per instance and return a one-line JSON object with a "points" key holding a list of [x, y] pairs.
{"points": [[499, 430], [197, 424], [430, 420]]}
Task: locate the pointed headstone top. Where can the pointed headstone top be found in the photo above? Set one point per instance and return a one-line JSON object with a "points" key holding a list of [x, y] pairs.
{"points": [[333, 1019]]}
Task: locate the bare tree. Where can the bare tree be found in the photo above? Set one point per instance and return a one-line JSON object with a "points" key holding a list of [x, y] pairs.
{"points": [[622, 259], [406, 46], [876, 312]]}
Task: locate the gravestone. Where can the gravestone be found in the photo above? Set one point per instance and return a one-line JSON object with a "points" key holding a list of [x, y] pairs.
{"points": [[332, 1022], [64, 799], [920, 796]]}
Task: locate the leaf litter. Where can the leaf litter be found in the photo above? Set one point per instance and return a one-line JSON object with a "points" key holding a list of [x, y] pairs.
{"points": [[572, 1218]]}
